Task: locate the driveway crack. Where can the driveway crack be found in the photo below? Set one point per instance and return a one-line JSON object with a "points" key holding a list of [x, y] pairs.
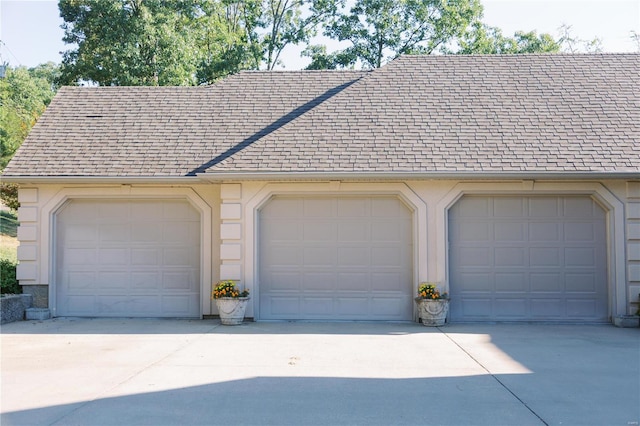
{"points": [[531, 410]]}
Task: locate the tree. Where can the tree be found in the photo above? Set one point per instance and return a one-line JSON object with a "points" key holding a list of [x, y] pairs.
{"points": [[381, 30], [291, 22], [483, 39], [571, 44], [222, 33], [635, 38], [130, 42], [24, 94]]}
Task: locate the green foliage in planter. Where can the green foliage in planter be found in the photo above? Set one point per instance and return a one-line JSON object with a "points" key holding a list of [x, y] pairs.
{"points": [[8, 281]]}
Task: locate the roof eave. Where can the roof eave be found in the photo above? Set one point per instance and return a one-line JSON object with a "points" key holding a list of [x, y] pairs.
{"points": [[302, 176], [26, 179], [238, 176]]}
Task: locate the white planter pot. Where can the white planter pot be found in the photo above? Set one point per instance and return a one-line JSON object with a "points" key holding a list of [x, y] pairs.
{"points": [[231, 309], [433, 313]]}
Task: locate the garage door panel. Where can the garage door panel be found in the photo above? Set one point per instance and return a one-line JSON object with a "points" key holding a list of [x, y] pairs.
{"points": [[475, 308], [473, 207], [353, 256], [543, 231], [80, 256], [548, 308], [508, 232], [286, 281], [114, 233], [475, 256], [582, 208], [282, 307], [145, 280], [178, 304], [316, 281], [320, 256], [79, 280], [544, 257], [474, 281], [354, 281], [114, 256], [111, 281], [387, 256], [177, 280], [580, 257], [508, 207], [78, 233], [356, 307], [317, 208], [542, 207], [388, 232], [473, 231], [579, 232], [581, 308], [387, 207], [145, 257], [509, 308], [320, 231], [283, 256], [556, 272], [387, 307], [513, 257], [316, 307], [352, 208], [388, 281], [80, 305], [546, 282], [354, 231], [145, 233], [580, 283], [157, 254], [177, 256], [345, 255], [511, 282]]}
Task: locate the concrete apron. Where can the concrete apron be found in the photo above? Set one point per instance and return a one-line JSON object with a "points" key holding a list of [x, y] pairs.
{"points": [[142, 371]]}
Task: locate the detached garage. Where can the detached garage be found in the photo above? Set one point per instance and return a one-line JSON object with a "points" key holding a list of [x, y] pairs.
{"points": [[528, 259], [511, 181], [127, 258]]}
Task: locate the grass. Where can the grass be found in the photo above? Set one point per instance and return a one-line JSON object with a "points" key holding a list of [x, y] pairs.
{"points": [[8, 235]]}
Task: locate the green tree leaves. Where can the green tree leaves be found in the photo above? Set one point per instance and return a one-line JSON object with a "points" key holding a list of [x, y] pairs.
{"points": [[483, 39], [381, 30], [24, 94], [129, 42]]}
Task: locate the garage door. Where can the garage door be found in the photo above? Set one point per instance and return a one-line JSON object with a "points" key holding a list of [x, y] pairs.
{"points": [[335, 259], [528, 259], [128, 258]]}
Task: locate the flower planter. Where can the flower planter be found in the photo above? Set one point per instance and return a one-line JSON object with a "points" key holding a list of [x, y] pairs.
{"points": [[433, 313], [231, 309]]}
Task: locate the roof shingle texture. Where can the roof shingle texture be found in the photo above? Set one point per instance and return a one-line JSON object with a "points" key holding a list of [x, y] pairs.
{"points": [[484, 114]]}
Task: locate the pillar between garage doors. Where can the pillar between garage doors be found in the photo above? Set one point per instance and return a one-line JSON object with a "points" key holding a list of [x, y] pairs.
{"points": [[231, 232]]}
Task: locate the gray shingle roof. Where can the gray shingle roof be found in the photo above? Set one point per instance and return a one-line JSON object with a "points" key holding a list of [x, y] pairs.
{"points": [[418, 114]]}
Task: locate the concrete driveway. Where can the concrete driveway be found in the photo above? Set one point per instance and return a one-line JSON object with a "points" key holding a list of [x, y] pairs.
{"points": [[161, 372]]}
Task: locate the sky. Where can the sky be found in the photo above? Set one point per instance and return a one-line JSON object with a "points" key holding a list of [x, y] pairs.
{"points": [[30, 30]]}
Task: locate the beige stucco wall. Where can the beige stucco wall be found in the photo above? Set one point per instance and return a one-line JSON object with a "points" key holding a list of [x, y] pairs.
{"points": [[229, 216]]}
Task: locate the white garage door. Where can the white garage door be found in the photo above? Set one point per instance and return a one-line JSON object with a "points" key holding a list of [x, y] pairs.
{"points": [[528, 259], [335, 259], [128, 258]]}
